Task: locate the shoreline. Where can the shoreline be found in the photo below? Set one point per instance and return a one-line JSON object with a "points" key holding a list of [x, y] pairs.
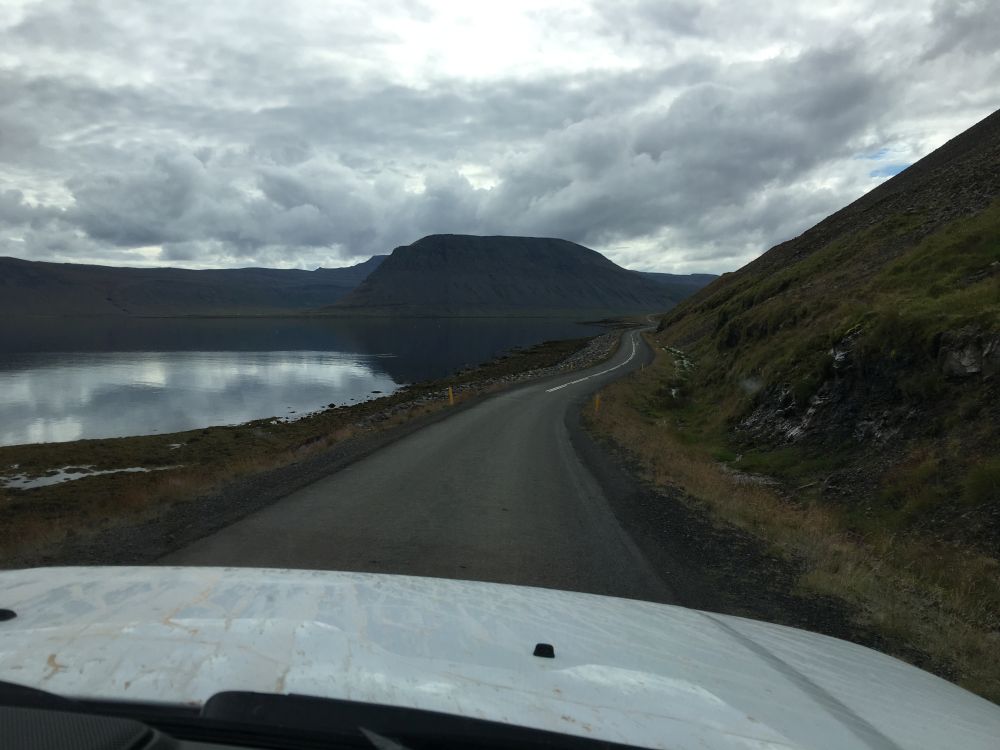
{"points": [[203, 479], [580, 317]]}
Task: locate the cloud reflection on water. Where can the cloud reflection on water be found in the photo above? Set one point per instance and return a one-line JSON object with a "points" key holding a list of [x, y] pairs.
{"points": [[66, 378], [46, 397]]}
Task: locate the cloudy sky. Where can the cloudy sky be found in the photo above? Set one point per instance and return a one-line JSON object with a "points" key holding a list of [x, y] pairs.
{"points": [[672, 135]]}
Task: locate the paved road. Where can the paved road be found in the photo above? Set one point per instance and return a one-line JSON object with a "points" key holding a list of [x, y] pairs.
{"points": [[494, 493]]}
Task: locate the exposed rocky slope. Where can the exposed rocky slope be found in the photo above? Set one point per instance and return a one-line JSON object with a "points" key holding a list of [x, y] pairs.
{"points": [[862, 359], [36, 288], [464, 275]]}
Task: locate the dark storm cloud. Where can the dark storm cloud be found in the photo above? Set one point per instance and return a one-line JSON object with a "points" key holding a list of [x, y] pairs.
{"points": [[177, 198], [641, 19], [965, 26], [209, 135], [717, 145], [13, 209], [64, 25]]}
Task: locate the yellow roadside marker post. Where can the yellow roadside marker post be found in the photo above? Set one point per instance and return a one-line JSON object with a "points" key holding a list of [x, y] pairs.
{"points": [[597, 403], [451, 396]]}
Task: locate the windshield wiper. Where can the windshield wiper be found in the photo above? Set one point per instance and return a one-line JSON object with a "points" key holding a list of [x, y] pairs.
{"points": [[384, 727], [302, 721], [22, 696]]}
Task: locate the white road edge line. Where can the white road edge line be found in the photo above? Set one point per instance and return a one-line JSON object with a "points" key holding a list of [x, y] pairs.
{"points": [[597, 374]]}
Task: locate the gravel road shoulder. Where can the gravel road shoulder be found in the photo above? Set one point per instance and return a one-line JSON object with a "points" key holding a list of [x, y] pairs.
{"points": [[712, 565]]}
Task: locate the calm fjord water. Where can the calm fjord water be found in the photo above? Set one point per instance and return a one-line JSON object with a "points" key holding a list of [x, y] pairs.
{"points": [[70, 379]]}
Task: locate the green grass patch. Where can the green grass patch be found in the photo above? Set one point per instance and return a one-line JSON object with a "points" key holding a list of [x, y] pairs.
{"points": [[791, 462], [982, 484]]}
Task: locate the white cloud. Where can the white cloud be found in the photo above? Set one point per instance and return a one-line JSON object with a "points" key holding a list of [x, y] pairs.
{"points": [[670, 134]]}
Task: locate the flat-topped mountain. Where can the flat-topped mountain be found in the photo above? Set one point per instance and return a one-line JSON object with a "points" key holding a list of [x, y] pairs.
{"points": [[467, 275], [37, 288], [440, 275]]}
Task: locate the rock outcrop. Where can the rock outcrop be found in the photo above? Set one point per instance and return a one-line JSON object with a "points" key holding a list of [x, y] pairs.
{"points": [[969, 352]]}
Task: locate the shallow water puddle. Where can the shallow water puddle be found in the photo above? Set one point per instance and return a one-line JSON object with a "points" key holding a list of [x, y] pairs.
{"points": [[69, 473]]}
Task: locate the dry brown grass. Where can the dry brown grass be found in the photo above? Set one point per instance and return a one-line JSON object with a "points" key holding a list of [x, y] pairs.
{"points": [[44, 519], [942, 601]]}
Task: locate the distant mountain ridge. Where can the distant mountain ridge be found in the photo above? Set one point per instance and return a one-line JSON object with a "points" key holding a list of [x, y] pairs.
{"points": [[469, 275], [681, 285], [696, 280], [440, 275], [39, 288]]}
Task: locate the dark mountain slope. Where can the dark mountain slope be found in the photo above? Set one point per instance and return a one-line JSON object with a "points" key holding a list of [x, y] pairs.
{"points": [[36, 288], [464, 275], [838, 400], [864, 355], [958, 179]]}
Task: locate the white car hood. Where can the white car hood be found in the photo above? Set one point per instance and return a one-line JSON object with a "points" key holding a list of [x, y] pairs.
{"points": [[625, 671]]}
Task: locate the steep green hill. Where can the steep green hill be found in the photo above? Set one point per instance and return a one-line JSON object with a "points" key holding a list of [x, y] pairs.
{"points": [[865, 354], [838, 401]]}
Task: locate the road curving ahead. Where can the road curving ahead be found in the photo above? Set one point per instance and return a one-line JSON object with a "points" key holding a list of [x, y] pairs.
{"points": [[496, 492]]}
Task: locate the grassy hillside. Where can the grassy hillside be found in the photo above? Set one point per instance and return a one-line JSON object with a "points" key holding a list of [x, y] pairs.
{"points": [[829, 366], [840, 398]]}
